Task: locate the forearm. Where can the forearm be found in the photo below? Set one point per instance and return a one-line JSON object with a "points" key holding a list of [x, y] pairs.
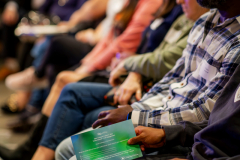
{"points": [[129, 40], [91, 10], [147, 65], [156, 64]]}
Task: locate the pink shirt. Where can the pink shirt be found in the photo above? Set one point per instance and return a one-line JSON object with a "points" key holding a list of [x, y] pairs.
{"points": [[100, 57]]}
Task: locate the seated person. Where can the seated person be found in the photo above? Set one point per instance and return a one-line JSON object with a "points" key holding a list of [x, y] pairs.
{"points": [[13, 13], [152, 36], [69, 52], [77, 101], [84, 14], [141, 9], [68, 49], [209, 139], [193, 89]]}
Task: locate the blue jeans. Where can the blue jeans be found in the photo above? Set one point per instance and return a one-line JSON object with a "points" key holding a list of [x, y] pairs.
{"points": [[38, 98], [77, 108], [38, 51]]}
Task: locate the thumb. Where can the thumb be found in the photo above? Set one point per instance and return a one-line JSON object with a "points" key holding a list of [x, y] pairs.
{"points": [[135, 140], [138, 94], [111, 81]]}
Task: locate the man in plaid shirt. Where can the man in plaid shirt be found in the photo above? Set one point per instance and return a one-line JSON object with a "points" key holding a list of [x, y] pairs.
{"points": [[189, 91]]}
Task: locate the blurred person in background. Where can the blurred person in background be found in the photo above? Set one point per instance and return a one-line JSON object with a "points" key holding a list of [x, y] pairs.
{"points": [[133, 26], [69, 46], [63, 53], [151, 65], [83, 16], [13, 13], [169, 112]]}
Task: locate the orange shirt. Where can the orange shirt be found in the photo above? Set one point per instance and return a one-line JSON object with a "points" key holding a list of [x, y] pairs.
{"points": [[100, 57]]}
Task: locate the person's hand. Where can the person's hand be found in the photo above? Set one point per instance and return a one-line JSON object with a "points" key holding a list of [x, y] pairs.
{"points": [[109, 117], [148, 137], [116, 73], [67, 25], [10, 16], [63, 23], [86, 36], [131, 85]]}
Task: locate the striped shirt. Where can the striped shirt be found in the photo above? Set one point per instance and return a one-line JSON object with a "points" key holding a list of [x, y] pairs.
{"points": [[189, 91]]}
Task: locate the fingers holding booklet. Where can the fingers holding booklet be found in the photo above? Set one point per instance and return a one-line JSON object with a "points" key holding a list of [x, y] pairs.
{"points": [[109, 143], [148, 137]]}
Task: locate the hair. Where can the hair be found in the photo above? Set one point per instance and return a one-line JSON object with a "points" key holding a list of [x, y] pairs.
{"points": [[165, 8], [124, 17], [212, 3]]}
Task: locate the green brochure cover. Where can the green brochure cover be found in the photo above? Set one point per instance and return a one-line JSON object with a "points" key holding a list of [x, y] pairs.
{"points": [[107, 143]]}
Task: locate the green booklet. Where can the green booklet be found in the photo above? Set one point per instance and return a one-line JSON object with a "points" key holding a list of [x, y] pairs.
{"points": [[107, 143]]}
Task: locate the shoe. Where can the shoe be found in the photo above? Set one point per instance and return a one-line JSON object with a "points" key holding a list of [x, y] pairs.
{"points": [[11, 106], [25, 80], [26, 120], [27, 149]]}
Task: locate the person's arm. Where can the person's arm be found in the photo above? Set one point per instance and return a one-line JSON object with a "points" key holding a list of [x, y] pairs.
{"points": [[188, 111], [149, 65], [128, 41], [152, 65], [169, 136], [91, 36], [175, 75], [91, 10], [156, 64]]}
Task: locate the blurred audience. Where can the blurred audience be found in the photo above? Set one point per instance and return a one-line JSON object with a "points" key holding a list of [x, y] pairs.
{"points": [[75, 46], [172, 74], [18, 101]]}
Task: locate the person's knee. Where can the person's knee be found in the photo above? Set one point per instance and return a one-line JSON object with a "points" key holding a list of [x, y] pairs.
{"points": [[62, 79], [69, 88], [64, 150]]}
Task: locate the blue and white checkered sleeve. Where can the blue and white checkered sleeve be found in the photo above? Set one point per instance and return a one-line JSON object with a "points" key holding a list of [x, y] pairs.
{"points": [[196, 111]]}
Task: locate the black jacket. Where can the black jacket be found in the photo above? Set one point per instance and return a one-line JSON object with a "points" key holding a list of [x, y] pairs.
{"points": [[219, 137]]}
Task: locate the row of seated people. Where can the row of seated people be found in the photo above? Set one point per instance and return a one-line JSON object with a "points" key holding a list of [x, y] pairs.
{"points": [[187, 114], [15, 10]]}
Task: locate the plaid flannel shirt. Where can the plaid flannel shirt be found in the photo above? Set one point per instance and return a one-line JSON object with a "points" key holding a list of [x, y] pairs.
{"points": [[189, 91]]}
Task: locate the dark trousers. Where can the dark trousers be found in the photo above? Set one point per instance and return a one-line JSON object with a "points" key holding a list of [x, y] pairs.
{"points": [[10, 42], [63, 53]]}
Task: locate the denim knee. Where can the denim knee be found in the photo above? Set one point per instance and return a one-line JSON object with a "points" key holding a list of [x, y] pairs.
{"points": [[69, 88]]}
